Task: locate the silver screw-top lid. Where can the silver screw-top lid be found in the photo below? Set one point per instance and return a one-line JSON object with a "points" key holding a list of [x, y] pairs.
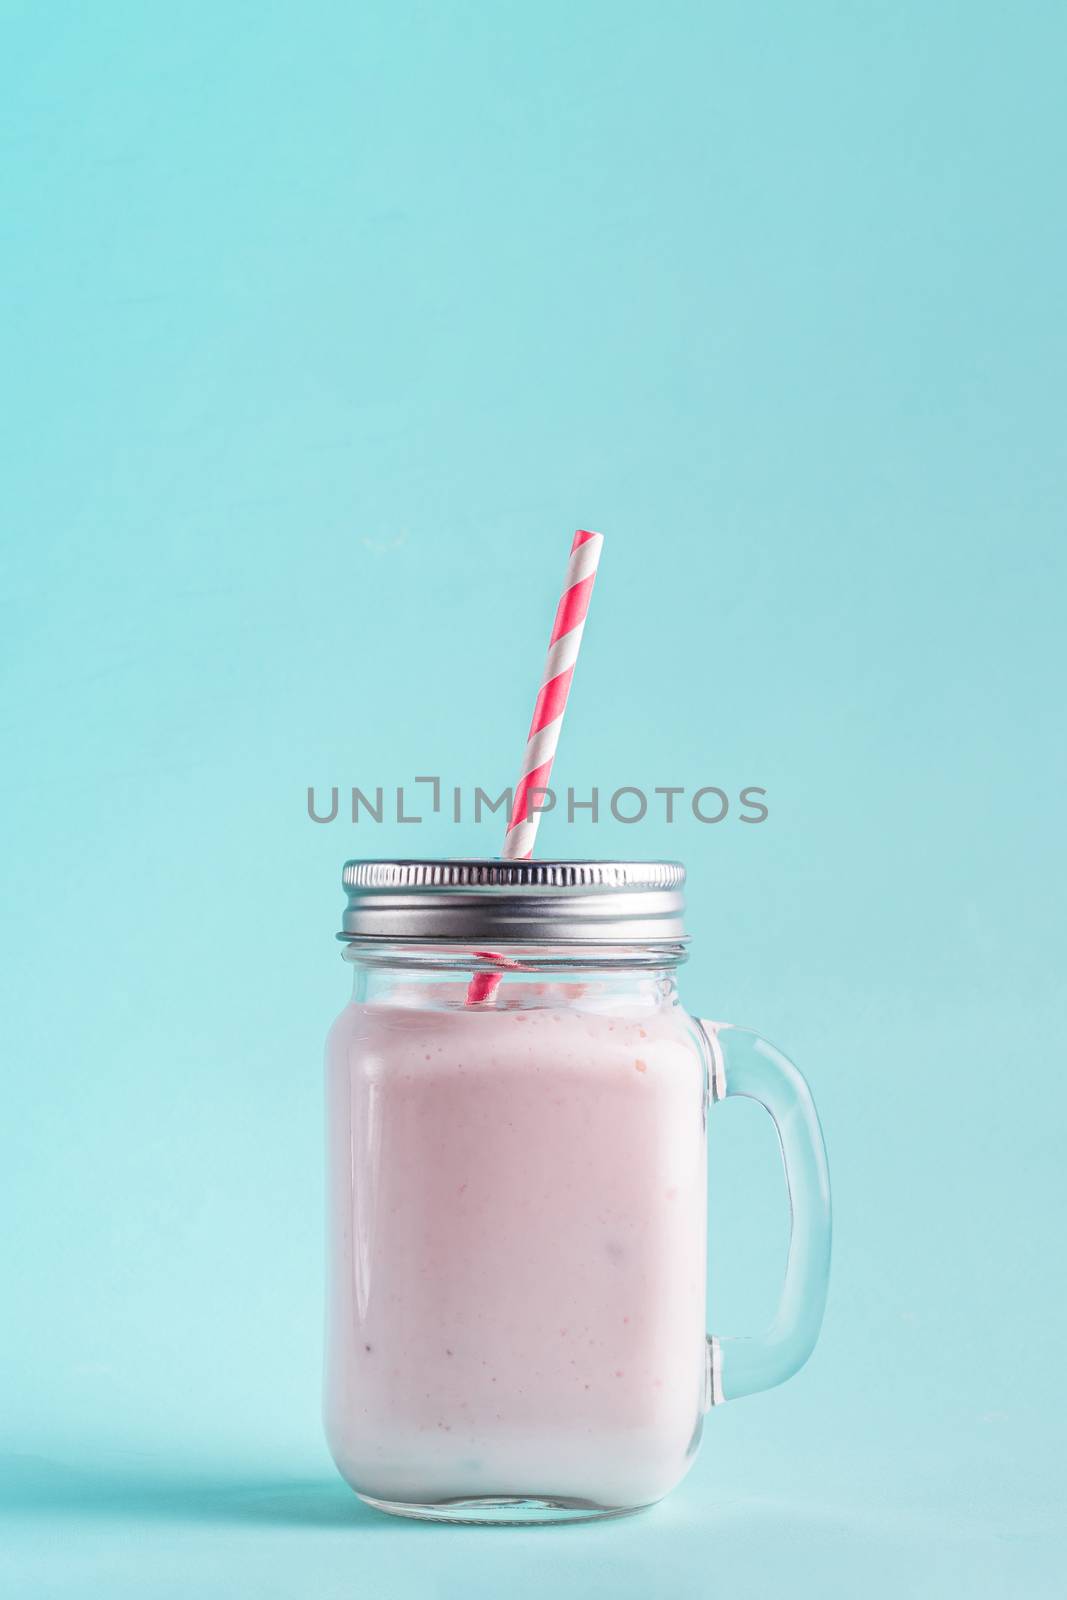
{"points": [[515, 902]]}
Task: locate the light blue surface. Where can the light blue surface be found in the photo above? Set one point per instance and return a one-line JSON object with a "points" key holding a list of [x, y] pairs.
{"points": [[324, 327]]}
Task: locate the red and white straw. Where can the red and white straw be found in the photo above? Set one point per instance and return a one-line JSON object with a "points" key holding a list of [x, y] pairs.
{"points": [[545, 725], [551, 702]]}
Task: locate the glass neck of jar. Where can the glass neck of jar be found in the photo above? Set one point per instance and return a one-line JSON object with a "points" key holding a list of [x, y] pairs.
{"points": [[404, 973]]}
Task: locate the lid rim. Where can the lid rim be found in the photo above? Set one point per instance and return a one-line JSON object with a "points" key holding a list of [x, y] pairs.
{"points": [[460, 901]]}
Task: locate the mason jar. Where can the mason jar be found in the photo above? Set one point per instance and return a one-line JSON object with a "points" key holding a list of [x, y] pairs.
{"points": [[516, 1107]]}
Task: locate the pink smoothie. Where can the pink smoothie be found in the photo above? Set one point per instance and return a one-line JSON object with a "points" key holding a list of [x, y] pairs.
{"points": [[517, 1213]]}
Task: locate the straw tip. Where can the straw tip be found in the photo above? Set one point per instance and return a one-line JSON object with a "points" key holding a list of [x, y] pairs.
{"points": [[583, 536]]}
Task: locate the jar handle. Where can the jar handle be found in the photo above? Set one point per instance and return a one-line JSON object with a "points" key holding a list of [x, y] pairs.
{"points": [[745, 1064]]}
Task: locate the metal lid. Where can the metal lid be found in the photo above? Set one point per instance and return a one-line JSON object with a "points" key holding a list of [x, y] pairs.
{"points": [[515, 902]]}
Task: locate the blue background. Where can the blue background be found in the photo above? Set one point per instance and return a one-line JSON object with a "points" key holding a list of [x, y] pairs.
{"points": [[325, 325]]}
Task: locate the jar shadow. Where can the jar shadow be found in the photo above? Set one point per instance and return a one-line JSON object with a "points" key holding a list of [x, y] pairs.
{"points": [[37, 1486]]}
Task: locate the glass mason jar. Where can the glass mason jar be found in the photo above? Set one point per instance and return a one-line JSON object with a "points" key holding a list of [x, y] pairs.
{"points": [[516, 1113]]}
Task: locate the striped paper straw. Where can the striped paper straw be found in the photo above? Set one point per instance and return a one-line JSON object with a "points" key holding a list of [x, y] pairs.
{"points": [[551, 702], [547, 718]]}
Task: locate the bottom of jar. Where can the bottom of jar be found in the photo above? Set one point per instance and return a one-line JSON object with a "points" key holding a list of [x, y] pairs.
{"points": [[503, 1510]]}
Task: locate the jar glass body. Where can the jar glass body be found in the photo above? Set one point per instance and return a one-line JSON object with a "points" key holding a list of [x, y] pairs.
{"points": [[517, 1223]]}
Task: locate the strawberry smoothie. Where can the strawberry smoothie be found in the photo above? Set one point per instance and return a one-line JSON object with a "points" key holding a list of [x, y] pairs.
{"points": [[517, 1213]]}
